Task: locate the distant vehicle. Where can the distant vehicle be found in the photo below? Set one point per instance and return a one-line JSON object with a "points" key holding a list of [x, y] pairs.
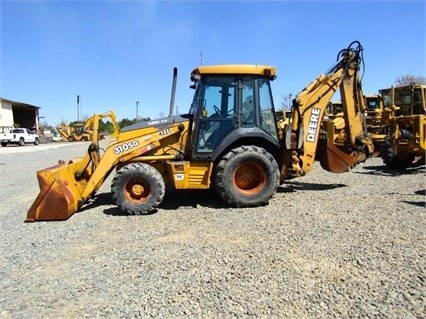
{"points": [[19, 136], [82, 131], [405, 140]]}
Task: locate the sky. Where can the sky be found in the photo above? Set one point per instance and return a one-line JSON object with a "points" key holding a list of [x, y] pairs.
{"points": [[115, 53]]}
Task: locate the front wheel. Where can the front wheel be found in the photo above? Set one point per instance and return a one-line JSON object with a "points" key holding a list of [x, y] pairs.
{"points": [[3, 144], [36, 141], [390, 159], [137, 189], [247, 176]]}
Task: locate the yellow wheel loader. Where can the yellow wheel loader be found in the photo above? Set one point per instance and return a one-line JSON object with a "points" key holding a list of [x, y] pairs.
{"points": [[229, 140]]}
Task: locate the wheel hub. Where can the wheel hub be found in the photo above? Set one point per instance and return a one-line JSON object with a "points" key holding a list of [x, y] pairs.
{"points": [[249, 178], [137, 191]]}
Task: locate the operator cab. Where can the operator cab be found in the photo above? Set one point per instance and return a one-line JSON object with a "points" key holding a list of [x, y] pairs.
{"points": [[231, 103], [411, 100]]}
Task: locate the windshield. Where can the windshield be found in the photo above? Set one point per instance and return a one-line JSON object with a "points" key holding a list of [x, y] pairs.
{"points": [[372, 103], [409, 100]]}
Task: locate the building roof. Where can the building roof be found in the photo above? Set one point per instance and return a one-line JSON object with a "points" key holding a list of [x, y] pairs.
{"points": [[19, 104]]}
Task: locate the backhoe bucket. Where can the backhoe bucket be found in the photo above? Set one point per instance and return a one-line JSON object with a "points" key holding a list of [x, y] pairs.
{"points": [[334, 160], [59, 195]]}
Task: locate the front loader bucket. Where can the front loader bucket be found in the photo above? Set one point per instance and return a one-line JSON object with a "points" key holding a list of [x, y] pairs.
{"points": [[334, 160], [59, 195]]}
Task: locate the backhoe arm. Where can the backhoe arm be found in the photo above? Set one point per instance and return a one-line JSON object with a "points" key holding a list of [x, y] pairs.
{"points": [[303, 139]]}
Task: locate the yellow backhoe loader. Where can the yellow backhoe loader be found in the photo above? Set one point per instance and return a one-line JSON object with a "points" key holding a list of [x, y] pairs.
{"points": [[82, 131], [74, 132], [229, 140]]}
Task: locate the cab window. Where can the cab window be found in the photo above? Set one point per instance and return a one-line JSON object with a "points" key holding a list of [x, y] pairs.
{"points": [[217, 112], [248, 114], [267, 112]]}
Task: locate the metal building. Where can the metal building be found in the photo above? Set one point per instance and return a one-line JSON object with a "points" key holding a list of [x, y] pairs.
{"points": [[18, 114]]}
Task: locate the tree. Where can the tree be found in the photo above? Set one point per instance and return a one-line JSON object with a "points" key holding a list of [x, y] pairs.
{"points": [[106, 127], [286, 101], [409, 79], [126, 122]]}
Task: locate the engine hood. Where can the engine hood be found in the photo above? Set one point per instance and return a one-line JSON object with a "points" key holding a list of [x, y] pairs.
{"points": [[155, 123]]}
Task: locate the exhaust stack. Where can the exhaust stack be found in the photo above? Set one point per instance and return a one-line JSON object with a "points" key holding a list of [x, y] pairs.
{"points": [[172, 98]]}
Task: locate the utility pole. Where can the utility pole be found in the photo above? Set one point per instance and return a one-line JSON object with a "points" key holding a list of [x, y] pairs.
{"points": [[290, 102], [137, 115], [78, 107]]}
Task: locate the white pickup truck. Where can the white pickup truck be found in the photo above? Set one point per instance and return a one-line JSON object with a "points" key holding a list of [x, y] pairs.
{"points": [[19, 136]]}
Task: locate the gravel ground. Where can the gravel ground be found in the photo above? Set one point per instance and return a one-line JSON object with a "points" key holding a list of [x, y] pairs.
{"points": [[328, 246]]}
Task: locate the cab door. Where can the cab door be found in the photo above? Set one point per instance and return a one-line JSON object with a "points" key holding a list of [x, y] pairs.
{"points": [[217, 112]]}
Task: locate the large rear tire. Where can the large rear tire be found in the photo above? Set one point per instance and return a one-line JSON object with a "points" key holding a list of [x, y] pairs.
{"points": [[247, 176], [21, 142], [137, 189]]}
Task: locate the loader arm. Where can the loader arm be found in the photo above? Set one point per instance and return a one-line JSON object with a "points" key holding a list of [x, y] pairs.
{"points": [[304, 143], [65, 187], [124, 152]]}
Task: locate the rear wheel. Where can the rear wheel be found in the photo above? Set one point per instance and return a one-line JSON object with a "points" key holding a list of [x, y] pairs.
{"points": [[36, 141], [137, 189], [21, 141], [3, 144], [247, 176]]}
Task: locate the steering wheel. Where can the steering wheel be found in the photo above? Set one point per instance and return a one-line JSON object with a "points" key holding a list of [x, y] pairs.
{"points": [[216, 109]]}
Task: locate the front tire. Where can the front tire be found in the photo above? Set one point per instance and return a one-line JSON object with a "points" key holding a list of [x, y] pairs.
{"points": [[137, 189], [390, 160], [247, 176], [36, 141]]}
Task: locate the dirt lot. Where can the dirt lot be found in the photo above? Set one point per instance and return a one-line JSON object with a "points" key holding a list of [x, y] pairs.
{"points": [[328, 245]]}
